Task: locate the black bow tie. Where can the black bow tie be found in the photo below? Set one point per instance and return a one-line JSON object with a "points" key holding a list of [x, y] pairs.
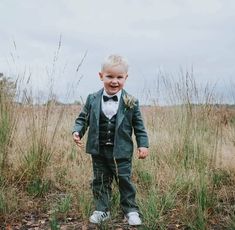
{"points": [[114, 98]]}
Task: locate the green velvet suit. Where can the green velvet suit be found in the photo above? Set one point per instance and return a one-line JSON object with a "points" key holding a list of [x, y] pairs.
{"points": [[128, 119], [112, 161]]}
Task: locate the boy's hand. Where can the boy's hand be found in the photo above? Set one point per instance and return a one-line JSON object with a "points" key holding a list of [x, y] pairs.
{"points": [[77, 139], [142, 152]]}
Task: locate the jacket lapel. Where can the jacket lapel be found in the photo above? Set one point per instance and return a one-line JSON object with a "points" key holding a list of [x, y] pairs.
{"points": [[121, 110], [96, 105]]}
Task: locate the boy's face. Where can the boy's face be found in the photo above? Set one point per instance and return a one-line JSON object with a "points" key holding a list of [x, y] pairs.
{"points": [[114, 78]]}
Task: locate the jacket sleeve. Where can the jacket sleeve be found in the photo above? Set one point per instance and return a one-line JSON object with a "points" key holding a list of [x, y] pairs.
{"points": [[82, 121], [139, 128]]}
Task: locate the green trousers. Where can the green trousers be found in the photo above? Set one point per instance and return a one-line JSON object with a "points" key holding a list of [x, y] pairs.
{"points": [[105, 169]]}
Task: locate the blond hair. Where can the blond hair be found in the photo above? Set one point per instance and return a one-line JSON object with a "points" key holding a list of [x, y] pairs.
{"points": [[114, 60]]}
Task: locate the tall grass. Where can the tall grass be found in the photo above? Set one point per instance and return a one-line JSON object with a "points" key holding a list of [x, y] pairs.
{"points": [[40, 135], [8, 120], [182, 184], [40, 131], [186, 155], [8, 127]]}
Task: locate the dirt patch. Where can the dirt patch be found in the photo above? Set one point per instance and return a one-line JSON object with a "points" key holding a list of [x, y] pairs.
{"points": [[31, 222]]}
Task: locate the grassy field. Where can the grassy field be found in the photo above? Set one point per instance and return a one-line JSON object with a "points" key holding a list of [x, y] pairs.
{"points": [[187, 182]]}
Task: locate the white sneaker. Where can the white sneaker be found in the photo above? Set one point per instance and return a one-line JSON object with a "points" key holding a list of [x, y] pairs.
{"points": [[98, 216], [133, 218]]}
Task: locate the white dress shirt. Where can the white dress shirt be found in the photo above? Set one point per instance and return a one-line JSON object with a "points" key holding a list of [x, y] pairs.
{"points": [[110, 107]]}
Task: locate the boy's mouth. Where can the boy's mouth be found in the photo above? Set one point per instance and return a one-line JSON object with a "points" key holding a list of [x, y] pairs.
{"points": [[114, 86]]}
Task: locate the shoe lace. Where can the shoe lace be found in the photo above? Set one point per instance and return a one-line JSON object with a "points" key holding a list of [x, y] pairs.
{"points": [[104, 214]]}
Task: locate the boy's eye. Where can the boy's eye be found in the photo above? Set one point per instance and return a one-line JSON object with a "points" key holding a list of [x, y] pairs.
{"points": [[109, 76], [120, 77]]}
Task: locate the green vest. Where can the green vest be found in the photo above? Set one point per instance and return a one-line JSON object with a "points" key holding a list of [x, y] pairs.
{"points": [[106, 129]]}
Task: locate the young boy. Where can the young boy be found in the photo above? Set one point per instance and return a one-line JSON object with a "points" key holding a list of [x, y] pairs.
{"points": [[111, 115]]}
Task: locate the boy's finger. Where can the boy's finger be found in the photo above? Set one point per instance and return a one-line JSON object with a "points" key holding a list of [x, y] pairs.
{"points": [[141, 157]]}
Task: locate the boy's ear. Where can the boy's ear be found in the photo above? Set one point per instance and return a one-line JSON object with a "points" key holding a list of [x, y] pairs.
{"points": [[126, 76], [101, 76]]}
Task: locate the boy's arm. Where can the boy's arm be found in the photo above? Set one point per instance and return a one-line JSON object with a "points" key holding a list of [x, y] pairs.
{"points": [[140, 132], [139, 129], [82, 121]]}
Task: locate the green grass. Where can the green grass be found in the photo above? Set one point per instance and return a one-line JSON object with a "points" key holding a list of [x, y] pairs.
{"points": [[37, 187], [54, 225], [84, 204], [3, 204], [8, 121]]}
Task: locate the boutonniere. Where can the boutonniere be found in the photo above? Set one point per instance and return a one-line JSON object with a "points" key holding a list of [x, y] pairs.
{"points": [[129, 101]]}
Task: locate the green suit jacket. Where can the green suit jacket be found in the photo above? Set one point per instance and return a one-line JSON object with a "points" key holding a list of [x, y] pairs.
{"points": [[128, 119]]}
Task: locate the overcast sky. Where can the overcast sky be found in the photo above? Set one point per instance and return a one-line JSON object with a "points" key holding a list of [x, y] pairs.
{"points": [[155, 36]]}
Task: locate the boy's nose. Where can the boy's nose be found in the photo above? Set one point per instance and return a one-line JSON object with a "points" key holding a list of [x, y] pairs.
{"points": [[114, 80]]}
